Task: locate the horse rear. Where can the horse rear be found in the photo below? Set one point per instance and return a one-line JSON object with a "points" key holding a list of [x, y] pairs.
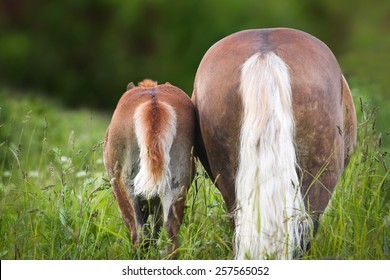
{"points": [[276, 127], [147, 154]]}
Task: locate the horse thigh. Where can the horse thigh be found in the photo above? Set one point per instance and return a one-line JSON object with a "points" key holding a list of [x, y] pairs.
{"points": [[319, 145]]}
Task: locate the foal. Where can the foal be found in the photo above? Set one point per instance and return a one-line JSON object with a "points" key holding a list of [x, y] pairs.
{"points": [[147, 154]]}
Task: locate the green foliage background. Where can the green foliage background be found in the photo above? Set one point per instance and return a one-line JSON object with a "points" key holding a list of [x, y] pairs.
{"points": [[86, 51]]}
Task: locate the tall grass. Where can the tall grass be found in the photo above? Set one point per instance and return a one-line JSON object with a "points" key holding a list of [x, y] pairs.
{"points": [[56, 202]]}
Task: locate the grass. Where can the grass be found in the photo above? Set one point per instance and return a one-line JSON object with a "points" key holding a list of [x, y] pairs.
{"points": [[56, 202]]}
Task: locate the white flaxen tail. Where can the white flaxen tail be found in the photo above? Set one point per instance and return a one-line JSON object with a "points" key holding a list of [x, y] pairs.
{"points": [[271, 221], [155, 129]]}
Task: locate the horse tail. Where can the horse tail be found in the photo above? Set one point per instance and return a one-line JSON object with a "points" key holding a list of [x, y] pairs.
{"points": [[155, 129], [270, 216]]}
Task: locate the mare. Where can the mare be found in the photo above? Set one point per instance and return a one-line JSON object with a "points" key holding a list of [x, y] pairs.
{"points": [[276, 126]]}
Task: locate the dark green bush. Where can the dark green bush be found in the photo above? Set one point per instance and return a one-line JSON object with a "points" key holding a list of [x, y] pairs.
{"points": [[86, 51]]}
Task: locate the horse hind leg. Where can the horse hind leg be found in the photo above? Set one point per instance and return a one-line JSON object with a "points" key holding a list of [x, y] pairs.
{"points": [[128, 205], [136, 211], [173, 202], [174, 198]]}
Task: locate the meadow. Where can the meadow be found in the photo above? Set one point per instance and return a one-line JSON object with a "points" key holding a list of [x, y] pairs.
{"points": [[56, 201]]}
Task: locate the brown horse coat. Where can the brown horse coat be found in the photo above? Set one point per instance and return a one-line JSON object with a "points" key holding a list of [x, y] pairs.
{"points": [[148, 156], [324, 120]]}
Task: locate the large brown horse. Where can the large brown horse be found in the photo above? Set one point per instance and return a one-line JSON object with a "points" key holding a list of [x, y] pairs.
{"points": [[277, 124], [147, 154]]}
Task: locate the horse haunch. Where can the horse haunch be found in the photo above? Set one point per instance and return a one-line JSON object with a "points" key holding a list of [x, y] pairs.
{"points": [[147, 155], [270, 104]]}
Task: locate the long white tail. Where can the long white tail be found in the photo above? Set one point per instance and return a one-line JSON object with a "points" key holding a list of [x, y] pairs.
{"points": [[271, 221], [155, 129]]}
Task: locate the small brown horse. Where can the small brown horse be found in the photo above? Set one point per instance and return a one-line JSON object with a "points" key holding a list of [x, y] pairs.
{"points": [[147, 154], [277, 125]]}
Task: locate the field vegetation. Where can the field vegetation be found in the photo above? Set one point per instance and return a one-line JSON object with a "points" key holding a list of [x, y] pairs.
{"points": [[56, 201]]}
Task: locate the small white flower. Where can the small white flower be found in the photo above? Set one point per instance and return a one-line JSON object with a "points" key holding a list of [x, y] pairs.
{"points": [[65, 159], [33, 174], [81, 174]]}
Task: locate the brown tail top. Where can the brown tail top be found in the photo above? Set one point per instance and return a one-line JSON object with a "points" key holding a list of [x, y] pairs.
{"points": [[147, 83]]}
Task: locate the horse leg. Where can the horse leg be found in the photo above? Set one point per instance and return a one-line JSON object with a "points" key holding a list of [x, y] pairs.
{"points": [[318, 182], [173, 202], [173, 198], [128, 205]]}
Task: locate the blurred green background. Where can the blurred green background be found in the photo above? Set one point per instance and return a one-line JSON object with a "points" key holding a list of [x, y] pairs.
{"points": [[54, 198], [84, 52]]}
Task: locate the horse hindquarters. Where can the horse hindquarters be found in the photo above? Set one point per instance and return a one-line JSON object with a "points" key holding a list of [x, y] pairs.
{"points": [[323, 136], [138, 157]]}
